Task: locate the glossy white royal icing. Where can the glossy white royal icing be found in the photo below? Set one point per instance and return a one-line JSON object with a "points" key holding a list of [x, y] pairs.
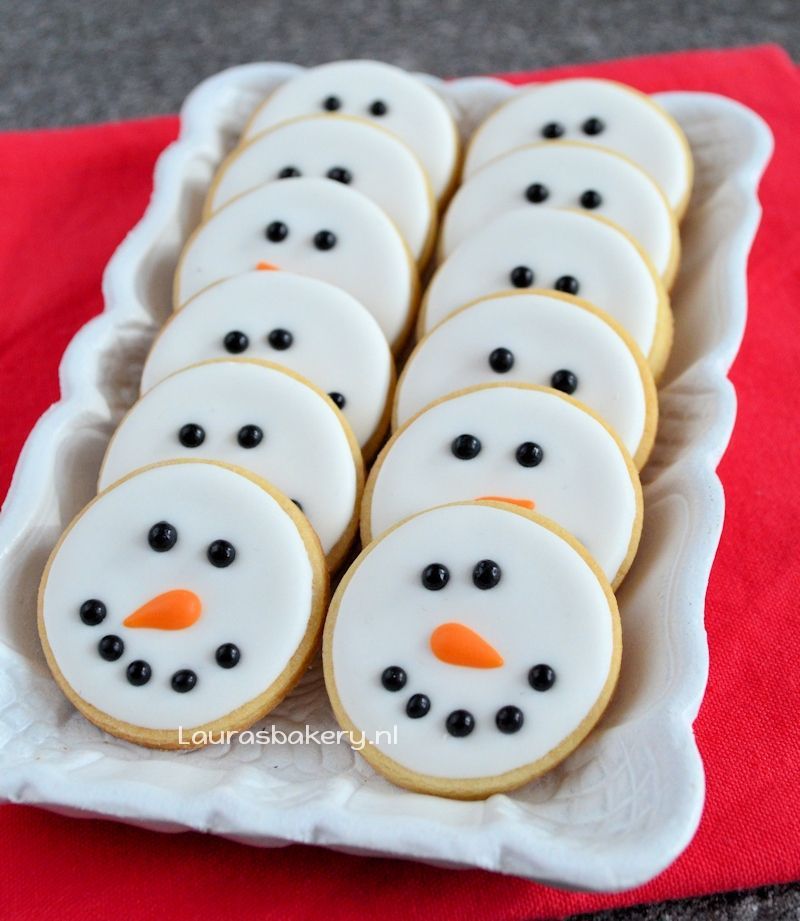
{"points": [[584, 481], [559, 175], [414, 112], [369, 259], [549, 608], [261, 602], [378, 164], [306, 450], [633, 124], [544, 334], [611, 273], [336, 343]]}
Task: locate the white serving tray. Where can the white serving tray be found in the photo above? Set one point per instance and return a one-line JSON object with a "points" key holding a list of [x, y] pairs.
{"points": [[616, 812]]}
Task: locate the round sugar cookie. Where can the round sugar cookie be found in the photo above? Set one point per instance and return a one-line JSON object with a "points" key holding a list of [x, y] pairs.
{"points": [[257, 416], [561, 174], [537, 337], [530, 446], [395, 100], [562, 250], [599, 112], [352, 151], [301, 323], [474, 646], [311, 227], [186, 599]]}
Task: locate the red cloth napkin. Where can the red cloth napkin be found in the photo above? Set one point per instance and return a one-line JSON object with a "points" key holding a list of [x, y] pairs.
{"points": [[68, 197]]}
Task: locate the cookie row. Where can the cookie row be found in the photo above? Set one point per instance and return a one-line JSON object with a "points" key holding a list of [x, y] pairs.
{"points": [[191, 592], [507, 505]]}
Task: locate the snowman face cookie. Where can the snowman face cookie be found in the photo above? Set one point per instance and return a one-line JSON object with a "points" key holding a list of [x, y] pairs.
{"points": [[568, 175], [188, 595], [392, 98], [347, 150], [537, 338], [311, 227], [560, 250], [475, 645], [259, 417], [599, 112], [311, 327], [530, 446]]}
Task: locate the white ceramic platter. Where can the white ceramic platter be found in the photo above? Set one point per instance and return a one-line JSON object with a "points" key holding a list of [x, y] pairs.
{"points": [[628, 801]]}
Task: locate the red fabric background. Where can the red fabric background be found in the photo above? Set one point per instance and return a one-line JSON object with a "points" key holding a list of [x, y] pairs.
{"points": [[69, 196]]}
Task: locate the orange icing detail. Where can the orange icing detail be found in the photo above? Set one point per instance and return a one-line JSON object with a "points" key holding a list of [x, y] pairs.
{"points": [[264, 266], [173, 610], [522, 503], [459, 645]]}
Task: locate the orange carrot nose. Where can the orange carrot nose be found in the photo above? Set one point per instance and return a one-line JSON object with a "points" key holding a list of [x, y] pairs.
{"points": [[458, 645], [522, 503], [264, 266], [173, 610]]}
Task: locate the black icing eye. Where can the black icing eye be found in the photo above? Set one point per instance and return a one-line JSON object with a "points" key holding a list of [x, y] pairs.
{"points": [[280, 339], [338, 399], [536, 193], [466, 447], [509, 719], [110, 648], [541, 677], [276, 232], [568, 284], [521, 277], [435, 576], [565, 381], [162, 537], [486, 574], [591, 199], [418, 706], [92, 612], [378, 108], [460, 723], [191, 435], [184, 680], [552, 130], [227, 655], [221, 553], [394, 678], [138, 673], [289, 172], [592, 126], [235, 342], [332, 104], [501, 360], [529, 454], [340, 174], [324, 239], [250, 436]]}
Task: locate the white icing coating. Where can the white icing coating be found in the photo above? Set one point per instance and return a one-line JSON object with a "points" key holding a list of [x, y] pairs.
{"points": [[415, 113], [634, 125], [545, 334], [336, 343], [369, 259], [629, 196], [611, 272], [381, 166], [549, 608], [261, 602], [583, 483], [305, 451]]}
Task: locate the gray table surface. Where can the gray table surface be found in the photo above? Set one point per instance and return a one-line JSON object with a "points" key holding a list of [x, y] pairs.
{"points": [[69, 61]]}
